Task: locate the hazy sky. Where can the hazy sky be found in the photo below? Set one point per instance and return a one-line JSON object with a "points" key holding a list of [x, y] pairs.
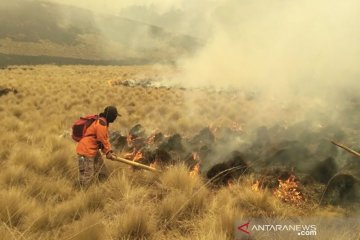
{"points": [[113, 6], [179, 16]]}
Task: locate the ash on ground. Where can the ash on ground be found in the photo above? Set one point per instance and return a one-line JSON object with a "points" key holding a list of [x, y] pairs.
{"points": [[326, 173]]}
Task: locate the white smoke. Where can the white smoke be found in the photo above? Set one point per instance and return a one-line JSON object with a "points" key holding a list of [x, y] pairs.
{"points": [[277, 43], [283, 51]]}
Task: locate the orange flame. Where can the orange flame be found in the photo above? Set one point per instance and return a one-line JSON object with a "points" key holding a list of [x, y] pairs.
{"points": [[288, 191], [195, 171], [138, 156], [130, 155], [195, 156]]}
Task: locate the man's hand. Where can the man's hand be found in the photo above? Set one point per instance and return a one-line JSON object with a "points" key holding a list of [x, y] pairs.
{"points": [[110, 155]]}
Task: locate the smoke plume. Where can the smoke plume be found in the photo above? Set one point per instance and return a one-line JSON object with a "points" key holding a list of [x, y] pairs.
{"points": [[286, 52]]}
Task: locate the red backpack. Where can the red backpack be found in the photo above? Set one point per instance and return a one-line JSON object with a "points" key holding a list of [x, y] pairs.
{"points": [[80, 126]]}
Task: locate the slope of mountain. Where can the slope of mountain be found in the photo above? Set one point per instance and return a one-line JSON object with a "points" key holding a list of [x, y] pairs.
{"points": [[37, 28]]}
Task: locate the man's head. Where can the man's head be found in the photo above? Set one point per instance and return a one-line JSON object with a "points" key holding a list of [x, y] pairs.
{"points": [[110, 114]]}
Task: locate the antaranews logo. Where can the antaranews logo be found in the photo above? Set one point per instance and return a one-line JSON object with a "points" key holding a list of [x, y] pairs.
{"points": [[244, 230]]}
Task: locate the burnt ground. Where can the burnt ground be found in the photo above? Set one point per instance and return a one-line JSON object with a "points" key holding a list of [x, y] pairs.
{"points": [[325, 173]]}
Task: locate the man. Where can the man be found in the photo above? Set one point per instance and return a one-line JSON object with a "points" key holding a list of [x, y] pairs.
{"points": [[96, 138]]}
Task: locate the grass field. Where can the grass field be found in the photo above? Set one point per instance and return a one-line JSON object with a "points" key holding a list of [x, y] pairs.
{"points": [[39, 196]]}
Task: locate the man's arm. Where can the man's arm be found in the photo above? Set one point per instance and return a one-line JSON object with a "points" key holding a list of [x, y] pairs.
{"points": [[102, 136]]}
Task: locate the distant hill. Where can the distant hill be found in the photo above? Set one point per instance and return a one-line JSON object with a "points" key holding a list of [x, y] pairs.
{"points": [[53, 31]]}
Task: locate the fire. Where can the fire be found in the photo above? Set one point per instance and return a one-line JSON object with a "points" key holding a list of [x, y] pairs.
{"points": [[288, 191], [138, 156], [195, 156], [134, 155], [256, 186], [195, 171], [129, 155]]}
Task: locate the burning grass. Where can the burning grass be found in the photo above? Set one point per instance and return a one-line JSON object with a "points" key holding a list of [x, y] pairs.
{"points": [[40, 198], [288, 191]]}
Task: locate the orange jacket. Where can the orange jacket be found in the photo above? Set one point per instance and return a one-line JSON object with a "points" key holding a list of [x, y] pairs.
{"points": [[96, 137]]}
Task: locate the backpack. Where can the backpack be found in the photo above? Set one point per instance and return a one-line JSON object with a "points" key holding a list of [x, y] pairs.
{"points": [[80, 126]]}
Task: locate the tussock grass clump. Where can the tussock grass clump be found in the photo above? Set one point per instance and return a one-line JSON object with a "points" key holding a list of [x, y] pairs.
{"points": [[8, 233], [94, 199], [123, 190], [12, 124], [259, 203], [330, 211], [7, 144], [14, 176], [240, 201], [144, 179], [62, 161], [136, 222], [83, 202], [178, 178], [220, 218], [27, 156], [39, 221], [46, 189], [14, 207], [65, 213], [55, 143], [17, 112], [173, 207], [119, 187], [185, 195], [90, 227]]}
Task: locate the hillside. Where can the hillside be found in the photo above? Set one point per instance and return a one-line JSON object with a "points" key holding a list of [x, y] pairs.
{"points": [[35, 28], [40, 198]]}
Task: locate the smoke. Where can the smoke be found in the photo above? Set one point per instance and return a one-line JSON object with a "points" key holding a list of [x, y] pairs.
{"points": [[289, 54], [176, 16], [307, 46], [284, 51], [276, 43], [113, 6], [301, 55]]}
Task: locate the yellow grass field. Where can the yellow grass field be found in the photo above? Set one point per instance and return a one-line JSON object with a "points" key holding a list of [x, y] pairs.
{"points": [[39, 195]]}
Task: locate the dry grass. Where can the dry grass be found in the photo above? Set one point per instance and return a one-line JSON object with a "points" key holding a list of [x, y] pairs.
{"points": [[39, 197]]}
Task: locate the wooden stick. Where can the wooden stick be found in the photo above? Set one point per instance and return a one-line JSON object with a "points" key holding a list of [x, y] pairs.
{"points": [[346, 148], [135, 164]]}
